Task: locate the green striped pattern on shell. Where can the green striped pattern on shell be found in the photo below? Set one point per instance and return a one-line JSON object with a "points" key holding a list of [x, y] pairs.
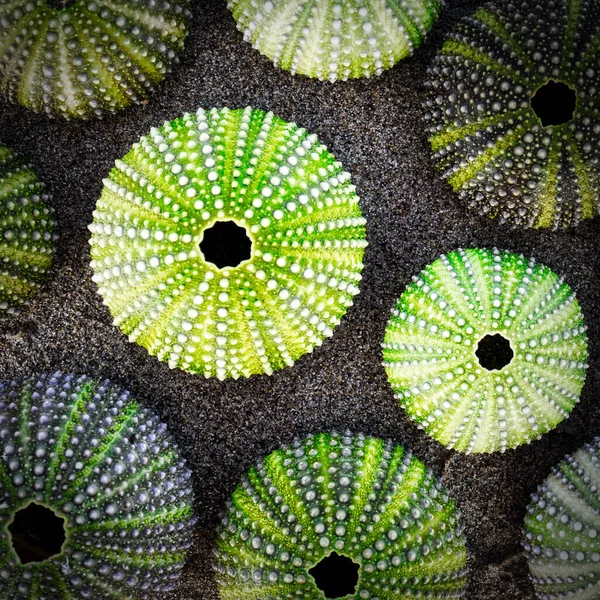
{"points": [[92, 57], [562, 526], [432, 337], [331, 39], [26, 231], [361, 497], [87, 451], [270, 177], [487, 139]]}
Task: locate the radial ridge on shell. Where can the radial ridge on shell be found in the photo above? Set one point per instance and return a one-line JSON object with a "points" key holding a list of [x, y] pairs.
{"points": [[486, 350], [513, 113], [334, 39], [365, 499]]}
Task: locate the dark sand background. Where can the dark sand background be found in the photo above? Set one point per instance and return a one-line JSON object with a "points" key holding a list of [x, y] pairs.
{"points": [[374, 127]]}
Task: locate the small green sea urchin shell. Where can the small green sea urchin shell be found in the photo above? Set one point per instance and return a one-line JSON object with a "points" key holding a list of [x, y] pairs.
{"points": [[561, 529], [367, 500], [513, 111], [26, 231], [261, 179], [486, 350], [86, 451], [330, 39], [83, 58]]}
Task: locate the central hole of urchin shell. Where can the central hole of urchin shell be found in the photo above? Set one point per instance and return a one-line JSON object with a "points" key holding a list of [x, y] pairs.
{"points": [[226, 244], [37, 533], [554, 103], [494, 352], [336, 576], [60, 4]]}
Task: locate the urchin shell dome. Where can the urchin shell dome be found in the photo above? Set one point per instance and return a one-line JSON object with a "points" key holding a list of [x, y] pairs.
{"points": [[501, 135], [26, 231], [329, 39], [87, 451], [561, 529], [486, 350], [363, 498], [283, 196], [83, 58]]}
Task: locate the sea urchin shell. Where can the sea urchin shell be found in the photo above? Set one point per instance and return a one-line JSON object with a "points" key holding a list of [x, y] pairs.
{"points": [[333, 39], [561, 529], [486, 350], [361, 498], [86, 453], [86, 57], [513, 111], [209, 182]]}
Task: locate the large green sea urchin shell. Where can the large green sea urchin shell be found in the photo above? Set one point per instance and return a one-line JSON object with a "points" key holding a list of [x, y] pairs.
{"points": [[292, 199], [363, 498], [329, 39], [561, 529], [26, 231], [88, 58], [108, 467], [486, 350], [487, 138]]}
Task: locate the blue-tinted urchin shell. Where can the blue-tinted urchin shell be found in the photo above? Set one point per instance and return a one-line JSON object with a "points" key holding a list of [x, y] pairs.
{"points": [[487, 138], [329, 39], [274, 180], [436, 330], [364, 498], [86, 450], [26, 231], [562, 528], [89, 58]]}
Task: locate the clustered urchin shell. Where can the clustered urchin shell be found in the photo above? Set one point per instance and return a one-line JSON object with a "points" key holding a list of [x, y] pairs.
{"points": [[108, 467], [26, 231], [487, 138], [270, 178], [459, 305], [561, 529], [330, 39], [90, 57], [364, 498]]}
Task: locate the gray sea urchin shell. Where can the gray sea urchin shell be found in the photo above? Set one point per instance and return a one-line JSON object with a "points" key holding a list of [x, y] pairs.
{"points": [[92, 57], [108, 467], [488, 140], [364, 498], [562, 529]]}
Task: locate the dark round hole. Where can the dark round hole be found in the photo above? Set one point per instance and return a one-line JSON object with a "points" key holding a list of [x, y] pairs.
{"points": [[336, 576], [60, 4], [494, 352], [554, 103], [37, 533], [226, 244]]}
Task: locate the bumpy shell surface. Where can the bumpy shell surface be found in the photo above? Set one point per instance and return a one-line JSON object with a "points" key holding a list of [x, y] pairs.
{"points": [[433, 335], [91, 454], [92, 57], [330, 39], [361, 497], [488, 140], [26, 231], [270, 177], [562, 526]]}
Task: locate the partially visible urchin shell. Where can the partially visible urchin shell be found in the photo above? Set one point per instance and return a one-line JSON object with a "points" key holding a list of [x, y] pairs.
{"points": [[92, 57], [90, 453], [26, 231], [272, 178], [330, 39], [432, 337], [364, 498], [489, 142], [562, 526]]}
